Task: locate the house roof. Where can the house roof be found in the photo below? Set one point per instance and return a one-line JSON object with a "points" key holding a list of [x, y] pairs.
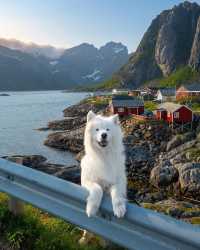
{"points": [[127, 101], [168, 91], [170, 106], [192, 87]]}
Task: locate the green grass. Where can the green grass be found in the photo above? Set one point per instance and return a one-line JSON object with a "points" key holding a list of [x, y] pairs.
{"points": [[192, 102], [36, 230], [180, 76], [195, 107], [166, 209], [103, 100], [114, 82], [150, 105]]}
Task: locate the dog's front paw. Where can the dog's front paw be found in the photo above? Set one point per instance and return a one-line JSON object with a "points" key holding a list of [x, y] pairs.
{"points": [[119, 208], [91, 209]]}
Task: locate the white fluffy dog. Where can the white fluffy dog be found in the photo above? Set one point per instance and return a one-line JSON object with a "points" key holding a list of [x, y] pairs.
{"points": [[103, 166]]}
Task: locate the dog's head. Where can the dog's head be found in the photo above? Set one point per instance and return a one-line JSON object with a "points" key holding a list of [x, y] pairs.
{"points": [[101, 131]]}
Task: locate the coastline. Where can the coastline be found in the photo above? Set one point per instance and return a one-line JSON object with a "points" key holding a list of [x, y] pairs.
{"points": [[162, 175], [162, 170], [22, 113]]}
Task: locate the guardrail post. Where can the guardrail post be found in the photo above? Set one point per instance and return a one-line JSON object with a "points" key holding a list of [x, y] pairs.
{"points": [[15, 205]]}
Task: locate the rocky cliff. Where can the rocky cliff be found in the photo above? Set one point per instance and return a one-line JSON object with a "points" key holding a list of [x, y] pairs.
{"points": [[171, 41]]}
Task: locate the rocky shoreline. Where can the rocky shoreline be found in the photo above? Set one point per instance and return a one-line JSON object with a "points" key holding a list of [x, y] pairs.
{"points": [[40, 163], [163, 165]]}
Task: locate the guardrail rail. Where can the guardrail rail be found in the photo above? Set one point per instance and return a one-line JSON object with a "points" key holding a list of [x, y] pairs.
{"points": [[140, 229]]}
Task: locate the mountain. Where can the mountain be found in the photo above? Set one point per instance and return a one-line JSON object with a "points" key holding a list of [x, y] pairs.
{"points": [[21, 71], [32, 48], [171, 42], [85, 64]]}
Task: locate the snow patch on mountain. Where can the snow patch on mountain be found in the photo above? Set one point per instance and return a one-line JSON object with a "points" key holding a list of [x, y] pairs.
{"points": [[95, 76], [55, 71], [53, 63], [118, 49]]}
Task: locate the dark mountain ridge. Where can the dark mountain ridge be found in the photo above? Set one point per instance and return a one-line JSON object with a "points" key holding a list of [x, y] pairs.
{"points": [[83, 64]]}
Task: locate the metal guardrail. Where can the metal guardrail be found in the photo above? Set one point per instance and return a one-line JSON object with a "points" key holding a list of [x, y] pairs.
{"points": [[141, 229]]}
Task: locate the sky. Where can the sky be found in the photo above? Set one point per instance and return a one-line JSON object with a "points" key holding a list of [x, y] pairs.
{"points": [[67, 23]]}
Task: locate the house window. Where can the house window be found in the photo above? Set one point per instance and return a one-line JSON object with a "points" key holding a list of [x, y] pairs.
{"points": [[176, 114], [120, 109]]}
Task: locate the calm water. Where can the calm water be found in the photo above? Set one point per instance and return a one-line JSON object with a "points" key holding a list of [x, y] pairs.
{"points": [[23, 112]]}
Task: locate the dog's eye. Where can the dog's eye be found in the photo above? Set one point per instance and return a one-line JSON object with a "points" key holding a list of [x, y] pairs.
{"points": [[107, 129], [97, 129]]}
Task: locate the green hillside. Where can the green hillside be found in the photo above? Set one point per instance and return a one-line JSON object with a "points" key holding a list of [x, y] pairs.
{"points": [[181, 76]]}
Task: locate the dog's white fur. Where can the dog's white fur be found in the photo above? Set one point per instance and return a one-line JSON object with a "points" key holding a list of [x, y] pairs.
{"points": [[103, 168]]}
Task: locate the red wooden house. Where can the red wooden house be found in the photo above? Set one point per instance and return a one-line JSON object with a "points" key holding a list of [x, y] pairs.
{"points": [[190, 90], [126, 105], [174, 113]]}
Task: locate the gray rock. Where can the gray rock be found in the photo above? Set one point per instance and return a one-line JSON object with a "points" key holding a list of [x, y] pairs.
{"points": [[40, 163], [195, 52], [180, 139], [189, 178], [27, 160], [178, 150], [165, 46], [69, 123], [136, 155], [163, 175], [174, 142], [66, 140], [81, 109]]}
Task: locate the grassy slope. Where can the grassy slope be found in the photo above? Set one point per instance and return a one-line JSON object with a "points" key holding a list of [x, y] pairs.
{"points": [[182, 75], [36, 230]]}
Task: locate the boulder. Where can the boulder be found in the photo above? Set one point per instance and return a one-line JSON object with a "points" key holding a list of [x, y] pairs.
{"points": [[66, 140], [163, 175], [189, 178], [137, 155], [27, 160], [72, 174]]}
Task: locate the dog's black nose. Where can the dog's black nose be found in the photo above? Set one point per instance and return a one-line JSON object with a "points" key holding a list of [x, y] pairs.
{"points": [[104, 135]]}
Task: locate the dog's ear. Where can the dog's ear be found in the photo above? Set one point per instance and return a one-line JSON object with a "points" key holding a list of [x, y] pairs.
{"points": [[115, 119], [90, 115]]}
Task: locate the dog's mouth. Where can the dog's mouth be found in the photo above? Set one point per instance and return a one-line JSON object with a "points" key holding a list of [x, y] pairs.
{"points": [[103, 143]]}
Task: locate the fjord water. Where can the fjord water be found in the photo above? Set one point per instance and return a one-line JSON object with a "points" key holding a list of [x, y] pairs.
{"points": [[22, 113]]}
